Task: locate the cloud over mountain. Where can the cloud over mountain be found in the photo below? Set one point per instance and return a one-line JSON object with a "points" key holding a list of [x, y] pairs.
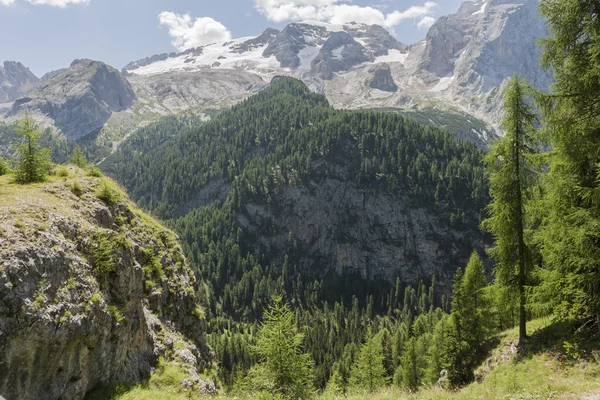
{"points": [[341, 11], [188, 32]]}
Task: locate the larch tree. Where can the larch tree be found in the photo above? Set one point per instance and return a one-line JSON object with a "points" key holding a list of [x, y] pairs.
{"points": [[284, 368], [570, 238], [368, 370], [470, 323], [33, 162], [512, 166]]}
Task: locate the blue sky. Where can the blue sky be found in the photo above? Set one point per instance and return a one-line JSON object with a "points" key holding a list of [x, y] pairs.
{"points": [[48, 34]]}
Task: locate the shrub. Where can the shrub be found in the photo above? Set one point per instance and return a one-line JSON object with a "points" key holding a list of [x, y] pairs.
{"points": [[94, 171], [77, 189], [107, 194]]}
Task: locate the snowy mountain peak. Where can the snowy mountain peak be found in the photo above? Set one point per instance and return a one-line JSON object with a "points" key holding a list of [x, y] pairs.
{"points": [[293, 48]]}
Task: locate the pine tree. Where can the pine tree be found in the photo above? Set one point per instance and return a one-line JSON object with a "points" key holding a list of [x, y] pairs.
{"points": [[570, 240], [409, 375], [512, 170], [470, 324], [284, 369], [368, 370], [475, 313], [78, 158], [33, 163]]}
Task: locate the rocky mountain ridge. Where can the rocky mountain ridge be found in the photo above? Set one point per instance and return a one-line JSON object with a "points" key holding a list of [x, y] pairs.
{"points": [[15, 81], [459, 68], [79, 100]]}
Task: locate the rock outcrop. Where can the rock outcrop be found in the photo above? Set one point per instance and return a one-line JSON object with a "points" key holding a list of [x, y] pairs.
{"points": [[383, 80], [15, 81], [80, 100], [339, 53], [92, 292]]}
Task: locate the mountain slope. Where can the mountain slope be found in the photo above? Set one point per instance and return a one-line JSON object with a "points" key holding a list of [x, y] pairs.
{"points": [[92, 291], [359, 195], [79, 100], [15, 81]]}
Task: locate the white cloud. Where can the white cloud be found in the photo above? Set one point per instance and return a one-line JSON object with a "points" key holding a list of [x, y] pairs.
{"points": [[426, 22], [339, 11], [53, 3], [188, 33], [58, 3]]}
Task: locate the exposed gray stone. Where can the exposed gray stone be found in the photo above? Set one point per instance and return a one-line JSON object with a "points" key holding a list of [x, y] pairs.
{"points": [[339, 53], [383, 80], [15, 81]]}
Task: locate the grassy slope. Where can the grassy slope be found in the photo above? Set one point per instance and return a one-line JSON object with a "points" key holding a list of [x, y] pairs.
{"points": [[543, 372]]}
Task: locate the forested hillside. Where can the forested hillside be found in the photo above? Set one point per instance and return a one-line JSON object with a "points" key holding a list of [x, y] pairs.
{"points": [[348, 214]]}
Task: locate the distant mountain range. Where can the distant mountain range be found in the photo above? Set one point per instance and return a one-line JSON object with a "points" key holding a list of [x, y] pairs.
{"points": [[457, 71]]}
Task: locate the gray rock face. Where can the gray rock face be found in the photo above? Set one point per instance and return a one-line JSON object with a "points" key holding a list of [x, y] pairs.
{"points": [[15, 81], [377, 39], [265, 38], [288, 44], [182, 90], [335, 222], [482, 45], [66, 327], [339, 53], [147, 61], [79, 100], [383, 80], [49, 75]]}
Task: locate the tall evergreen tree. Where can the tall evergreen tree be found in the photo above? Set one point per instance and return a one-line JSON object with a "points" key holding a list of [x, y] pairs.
{"points": [[470, 323], [284, 369], [409, 375], [33, 162], [570, 238], [368, 370], [512, 170]]}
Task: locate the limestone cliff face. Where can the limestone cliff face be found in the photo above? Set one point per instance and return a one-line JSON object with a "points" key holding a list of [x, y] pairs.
{"points": [[90, 293], [383, 80], [340, 226]]}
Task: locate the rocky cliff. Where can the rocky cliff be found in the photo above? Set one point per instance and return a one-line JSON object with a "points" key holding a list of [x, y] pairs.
{"points": [[92, 292], [79, 100], [382, 79], [15, 81]]}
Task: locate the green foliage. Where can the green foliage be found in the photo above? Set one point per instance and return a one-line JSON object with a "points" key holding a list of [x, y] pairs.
{"points": [[61, 172], [33, 163], [569, 239], [116, 313], [368, 371], [108, 194], [94, 171], [409, 375], [513, 170], [462, 341], [283, 369], [78, 158], [3, 167], [102, 254]]}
